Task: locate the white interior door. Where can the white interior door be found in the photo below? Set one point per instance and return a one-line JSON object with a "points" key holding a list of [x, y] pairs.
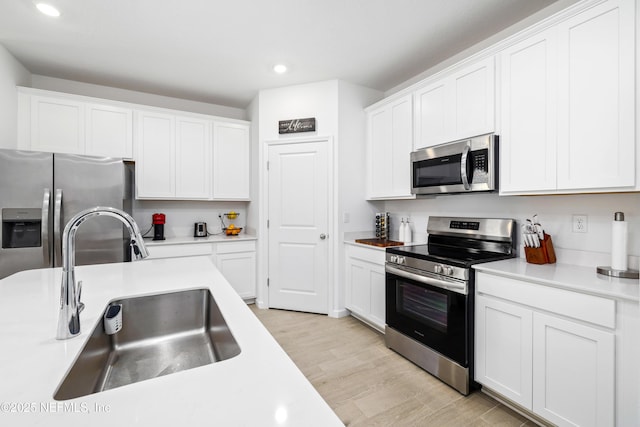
{"points": [[299, 202]]}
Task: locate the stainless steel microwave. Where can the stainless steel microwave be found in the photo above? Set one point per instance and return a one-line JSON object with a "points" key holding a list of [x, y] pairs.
{"points": [[463, 166]]}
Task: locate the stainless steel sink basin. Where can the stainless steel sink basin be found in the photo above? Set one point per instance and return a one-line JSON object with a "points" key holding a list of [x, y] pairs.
{"points": [[161, 334]]}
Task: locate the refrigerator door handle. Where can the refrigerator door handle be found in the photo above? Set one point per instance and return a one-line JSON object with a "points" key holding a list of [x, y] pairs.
{"points": [[46, 250], [57, 229]]}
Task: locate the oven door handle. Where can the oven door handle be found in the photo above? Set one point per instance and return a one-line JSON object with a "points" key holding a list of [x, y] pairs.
{"points": [[460, 288]]}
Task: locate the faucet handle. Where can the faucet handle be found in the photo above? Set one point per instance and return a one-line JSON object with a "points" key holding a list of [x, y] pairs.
{"points": [[80, 304]]}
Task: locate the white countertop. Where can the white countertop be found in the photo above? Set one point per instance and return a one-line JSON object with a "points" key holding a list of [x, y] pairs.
{"points": [[259, 387], [565, 276], [190, 239]]}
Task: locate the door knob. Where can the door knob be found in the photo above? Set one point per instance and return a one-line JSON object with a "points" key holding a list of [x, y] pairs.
{"points": [[323, 236]]}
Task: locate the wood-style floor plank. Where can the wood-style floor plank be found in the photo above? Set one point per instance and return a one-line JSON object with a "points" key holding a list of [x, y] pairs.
{"points": [[368, 384]]}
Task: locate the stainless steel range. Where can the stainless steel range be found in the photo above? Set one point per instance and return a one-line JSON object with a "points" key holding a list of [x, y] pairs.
{"points": [[430, 294]]}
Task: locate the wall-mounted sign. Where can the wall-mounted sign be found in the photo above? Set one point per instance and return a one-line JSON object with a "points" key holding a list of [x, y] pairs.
{"points": [[297, 125]]}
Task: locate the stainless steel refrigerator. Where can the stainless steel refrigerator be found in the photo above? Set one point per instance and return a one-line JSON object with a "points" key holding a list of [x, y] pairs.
{"points": [[41, 192]]}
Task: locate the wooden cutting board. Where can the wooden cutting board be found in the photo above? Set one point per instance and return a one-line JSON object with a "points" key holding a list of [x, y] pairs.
{"points": [[379, 242]]}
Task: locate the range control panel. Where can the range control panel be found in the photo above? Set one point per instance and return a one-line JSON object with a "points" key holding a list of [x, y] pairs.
{"points": [[465, 225]]}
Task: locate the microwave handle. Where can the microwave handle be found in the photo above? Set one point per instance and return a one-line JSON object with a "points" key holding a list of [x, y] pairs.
{"points": [[463, 167]]}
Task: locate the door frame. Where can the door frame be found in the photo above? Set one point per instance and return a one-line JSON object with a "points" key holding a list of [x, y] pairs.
{"points": [[262, 290]]}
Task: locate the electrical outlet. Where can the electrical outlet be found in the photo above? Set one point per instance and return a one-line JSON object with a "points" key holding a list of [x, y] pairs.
{"points": [[580, 223]]}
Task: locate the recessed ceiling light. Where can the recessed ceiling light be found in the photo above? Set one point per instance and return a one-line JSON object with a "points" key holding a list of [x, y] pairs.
{"points": [[48, 10], [280, 68]]}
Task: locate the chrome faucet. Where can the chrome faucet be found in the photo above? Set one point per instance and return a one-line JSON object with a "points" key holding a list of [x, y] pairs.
{"points": [[70, 305]]}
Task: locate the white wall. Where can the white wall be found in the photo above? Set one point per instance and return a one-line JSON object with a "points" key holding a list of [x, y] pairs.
{"points": [[124, 95], [181, 215], [12, 74], [339, 111], [554, 212]]}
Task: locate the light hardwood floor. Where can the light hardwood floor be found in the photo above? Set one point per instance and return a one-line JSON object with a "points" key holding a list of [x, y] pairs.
{"points": [[367, 384]]}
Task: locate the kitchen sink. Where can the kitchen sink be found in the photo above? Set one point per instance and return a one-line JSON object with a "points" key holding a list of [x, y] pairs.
{"points": [[160, 334]]}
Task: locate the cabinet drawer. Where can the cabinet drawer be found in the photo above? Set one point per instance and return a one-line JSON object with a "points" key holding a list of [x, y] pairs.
{"points": [[588, 308], [375, 256], [234, 247], [171, 251]]}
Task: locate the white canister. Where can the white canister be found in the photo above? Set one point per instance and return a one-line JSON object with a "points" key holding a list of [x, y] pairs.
{"points": [[407, 232], [619, 242]]}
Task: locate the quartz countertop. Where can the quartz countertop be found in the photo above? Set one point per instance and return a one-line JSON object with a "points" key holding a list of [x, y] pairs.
{"points": [[566, 276], [216, 238], [259, 387]]}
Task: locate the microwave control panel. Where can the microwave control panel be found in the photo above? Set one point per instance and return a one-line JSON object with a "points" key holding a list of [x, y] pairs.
{"points": [[480, 166]]}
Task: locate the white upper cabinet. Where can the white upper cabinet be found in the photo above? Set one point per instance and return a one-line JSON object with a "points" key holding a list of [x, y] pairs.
{"points": [[193, 158], [389, 145], [456, 106], [57, 125], [568, 105], [528, 135], [61, 123], [186, 157], [109, 131], [231, 161], [596, 138], [155, 160]]}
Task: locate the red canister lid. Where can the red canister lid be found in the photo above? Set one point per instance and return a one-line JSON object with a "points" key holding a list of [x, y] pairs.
{"points": [[158, 218]]}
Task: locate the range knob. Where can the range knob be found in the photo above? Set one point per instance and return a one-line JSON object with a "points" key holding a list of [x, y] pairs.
{"points": [[394, 259], [448, 271], [401, 260], [437, 269]]}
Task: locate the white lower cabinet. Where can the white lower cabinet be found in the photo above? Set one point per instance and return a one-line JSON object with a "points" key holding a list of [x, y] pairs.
{"points": [[504, 349], [237, 263], [573, 372], [235, 260], [559, 364], [365, 284]]}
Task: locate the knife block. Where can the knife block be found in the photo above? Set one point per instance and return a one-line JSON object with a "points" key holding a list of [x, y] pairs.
{"points": [[545, 254]]}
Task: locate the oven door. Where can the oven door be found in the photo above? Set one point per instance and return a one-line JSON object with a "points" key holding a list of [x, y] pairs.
{"points": [[431, 311]]}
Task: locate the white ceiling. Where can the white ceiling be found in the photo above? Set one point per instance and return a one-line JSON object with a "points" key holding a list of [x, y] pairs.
{"points": [[222, 52]]}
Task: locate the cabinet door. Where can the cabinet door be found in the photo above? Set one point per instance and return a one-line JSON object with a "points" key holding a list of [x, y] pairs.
{"points": [[377, 297], [528, 134], [389, 146], [596, 122], [357, 285], [155, 163], [474, 100], [432, 115], [193, 158], [573, 373], [57, 125], [109, 131], [503, 351], [231, 161], [240, 270]]}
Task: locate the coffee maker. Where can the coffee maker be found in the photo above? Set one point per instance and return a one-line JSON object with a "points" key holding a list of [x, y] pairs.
{"points": [[158, 226]]}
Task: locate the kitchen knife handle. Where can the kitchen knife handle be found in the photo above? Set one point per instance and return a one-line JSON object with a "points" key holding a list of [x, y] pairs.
{"points": [[57, 227], [44, 227]]}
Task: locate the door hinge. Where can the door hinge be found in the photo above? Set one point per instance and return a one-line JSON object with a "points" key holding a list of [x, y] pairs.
{"points": [[267, 165], [267, 282], [267, 223]]}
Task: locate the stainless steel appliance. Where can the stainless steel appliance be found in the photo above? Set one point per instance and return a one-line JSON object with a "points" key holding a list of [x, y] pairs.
{"points": [[40, 192], [200, 229], [430, 294], [462, 166]]}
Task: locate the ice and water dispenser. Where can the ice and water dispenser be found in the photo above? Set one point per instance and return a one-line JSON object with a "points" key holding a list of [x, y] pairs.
{"points": [[21, 228]]}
